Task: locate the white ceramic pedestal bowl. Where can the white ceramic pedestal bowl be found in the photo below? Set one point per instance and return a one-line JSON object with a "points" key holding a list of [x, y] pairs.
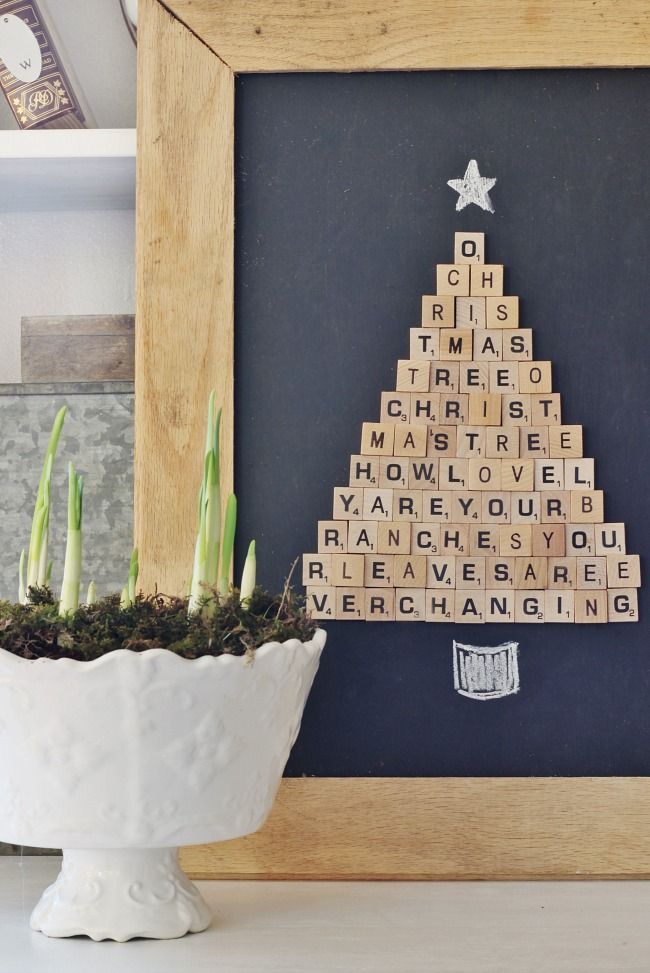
{"points": [[121, 760]]}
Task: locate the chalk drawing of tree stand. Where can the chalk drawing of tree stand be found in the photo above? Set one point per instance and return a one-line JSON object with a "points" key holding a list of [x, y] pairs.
{"points": [[486, 671]]}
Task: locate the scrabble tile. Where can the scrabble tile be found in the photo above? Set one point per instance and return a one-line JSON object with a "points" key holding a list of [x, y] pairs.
{"points": [[350, 603], [394, 538], [484, 409], [549, 540], [488, 346], [518, 474], [441, 441], [470, 312], [436, 506], [348, 503], [535, 376], [425, 538], [469, 607], [424, 344], [452, 473], [549, 474], [516, 540], [495, 507], [469, 248], [559, 606], [407, 505], [320, 601], [622, 605], [347, 570], [437, 311], [410, 571], [316, 569], [533, 442], [362, 536], [531, 573], [456, 344], [454, 539], [474, 377], [499, 605], [500, 572], [393, 472], [444, 377], [439, 605], [470, 572], [410, 440], [441, 572], [502, 312], [470, 440], [516, 409], [332, 536], [579, 474], [412, 376], [590, 606], [483, 540], [555, 507], [453, 408], [561, 573], [423, 472], [377, 438], [610, 538], [409, 605], [623, 571], [465, 507], [525, 506], [565, 441], [378, 570], [504, 377], [580, 539], [486, 280], [379, 605], [591, 572], [453, 279], [425, 408], [484, 474], [364, 470], [587, 506], [517, 345], [529, 606], [395, 407], [545, 410], [502, 442], [377, 504]]}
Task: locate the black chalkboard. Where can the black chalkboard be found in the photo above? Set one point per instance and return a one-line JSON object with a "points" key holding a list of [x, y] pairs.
{"points": [[342, 210]]}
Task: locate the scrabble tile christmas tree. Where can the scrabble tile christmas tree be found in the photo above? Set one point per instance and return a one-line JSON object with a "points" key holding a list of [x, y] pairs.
{"points": [[470, 500]]}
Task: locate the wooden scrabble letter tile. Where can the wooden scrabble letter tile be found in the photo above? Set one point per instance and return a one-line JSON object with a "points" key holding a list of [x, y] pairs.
{"points": [[488, 347], [502, 312], [393, 472], [437, 312], [484, 474], [423, 472], [559, 606], [533, 441], [316, 569], [453, 279], [545, 410], [395, 407], [470, 440], [549, 540], [364, 470], [500, 572], [425, 538], [470, 572], [580, 539], [499, 606], [525, 506], [350, 603], [436, 506], [549, 474], [410, 440], [483, 540], [394, 538], [347, 570], [474, 377], [579, 474], [610, 538], [441, 572], [456, 344], [454, 539], [591, 572], [377, 504], [484, 409], [555, 507], [518, 474], [348, 503], [590, 606], [622, 605], [378, 571], [495, 508], [465, 507], [469, 248], [409, 604], [587, 507], [504, 377], [561, 573], [623, 571], [502, 442], [332, 536], [531, 572], [444, 378], [410, 571], [517, 345], [452, 474], [377, 438], [529, 606], [439, 606], [424, 344], [407, 505], [362, 536], [412, 376], [535, 376], [470, 312], [441, 441], [380, 604], [565, 441], [320, 601], [516, 540], [425, 408], [516, 410], [469, 607], [486, 280]]}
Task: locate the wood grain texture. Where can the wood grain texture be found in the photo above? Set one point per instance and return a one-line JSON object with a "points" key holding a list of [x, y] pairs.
{"points": [[184, 261], [77, 348], [443, 828], [352, 35]]}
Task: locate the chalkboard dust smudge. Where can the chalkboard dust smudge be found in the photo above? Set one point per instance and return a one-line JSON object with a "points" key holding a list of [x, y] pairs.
{"points": [[486, 672]]}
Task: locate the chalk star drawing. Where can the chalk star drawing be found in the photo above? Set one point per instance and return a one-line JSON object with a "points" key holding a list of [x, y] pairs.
{"points": [[473, 188]]}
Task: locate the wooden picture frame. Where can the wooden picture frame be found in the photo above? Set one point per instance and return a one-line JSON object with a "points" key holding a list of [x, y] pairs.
{"points": [[189, 52]]}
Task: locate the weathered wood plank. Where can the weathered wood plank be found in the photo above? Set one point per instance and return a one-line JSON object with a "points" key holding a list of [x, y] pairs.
{"points": [[78, 348]]}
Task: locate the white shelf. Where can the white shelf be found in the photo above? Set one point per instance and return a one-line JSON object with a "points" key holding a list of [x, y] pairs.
{"points": [[67, 169]]}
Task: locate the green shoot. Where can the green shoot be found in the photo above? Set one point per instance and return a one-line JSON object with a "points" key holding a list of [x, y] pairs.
{"points": [[127, 598], [72, 564], [22, 596], [248, 576], [227, 544], [37, 551], [91, 597], [208, 541]]}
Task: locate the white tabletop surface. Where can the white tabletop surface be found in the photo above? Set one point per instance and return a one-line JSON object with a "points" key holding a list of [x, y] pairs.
{"points": [[354, 927]]}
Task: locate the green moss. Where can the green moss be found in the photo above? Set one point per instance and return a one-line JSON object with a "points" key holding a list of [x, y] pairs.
{"points": [[37, 631]]}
